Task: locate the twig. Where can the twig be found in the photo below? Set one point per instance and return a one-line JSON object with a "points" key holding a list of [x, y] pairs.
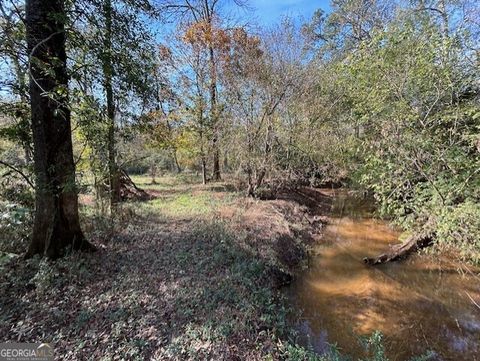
{"points": [[471, 299], [19, 172]]}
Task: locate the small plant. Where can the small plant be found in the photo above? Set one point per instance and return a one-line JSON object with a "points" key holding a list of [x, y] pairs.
{"points": [[374, 345], [294, 352], [15, 225], [44, 277]]}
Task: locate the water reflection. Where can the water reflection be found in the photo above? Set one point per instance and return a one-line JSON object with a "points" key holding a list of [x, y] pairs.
{"points": [[419, 304]]}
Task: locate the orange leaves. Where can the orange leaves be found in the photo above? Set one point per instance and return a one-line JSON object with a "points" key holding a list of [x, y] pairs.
{"points": [[245, 54], [206, 34], [243, 40], [245, 45]]}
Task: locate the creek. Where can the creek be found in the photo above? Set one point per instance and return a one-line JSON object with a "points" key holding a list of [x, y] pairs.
{"points": [[423, 303]]}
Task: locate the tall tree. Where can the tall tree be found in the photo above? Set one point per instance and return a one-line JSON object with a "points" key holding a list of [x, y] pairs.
{"points": [[56, 224], [107, 66], [261, 77], [204, 18], [114, 35]]}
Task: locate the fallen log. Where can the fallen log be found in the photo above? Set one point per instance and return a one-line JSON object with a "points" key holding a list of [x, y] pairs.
{"points": [[398, 252]]}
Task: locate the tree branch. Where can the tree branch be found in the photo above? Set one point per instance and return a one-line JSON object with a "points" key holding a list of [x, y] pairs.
{"points": [[19, 172]]}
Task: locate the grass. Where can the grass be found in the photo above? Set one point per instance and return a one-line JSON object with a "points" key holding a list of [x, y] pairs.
{"points": [[178, 279], [167, 182], [181, 196], [172, 281], [182, 205]]}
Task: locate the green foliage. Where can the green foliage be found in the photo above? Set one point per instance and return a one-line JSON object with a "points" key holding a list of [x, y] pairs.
{"points": [[459, 227], [415, 96], [15, 223], [373, 344], [293, 352]]}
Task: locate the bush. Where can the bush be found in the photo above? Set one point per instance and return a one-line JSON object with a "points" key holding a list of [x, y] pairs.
{"points": [[15, 224], [459, 227]]}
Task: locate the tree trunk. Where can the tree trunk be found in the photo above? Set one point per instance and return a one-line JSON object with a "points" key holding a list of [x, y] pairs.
{"points": [[251, 187], [202, 150], [216, 159], [175, 159], [153, 173], [56, 225], [204, 170], [214, 116], [113, 172], [225, 162], [412, 244], [267, 150]]}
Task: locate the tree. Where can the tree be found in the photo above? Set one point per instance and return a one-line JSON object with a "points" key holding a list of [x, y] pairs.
{"points": [[162, 123], [261, 77], [415, 93], [13, 54], [203, 19], [107, 66], [349, 23], [56, 224], [114, 35]]}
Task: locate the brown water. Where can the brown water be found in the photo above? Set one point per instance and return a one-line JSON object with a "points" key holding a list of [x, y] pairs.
{"points": [[423, 303]]}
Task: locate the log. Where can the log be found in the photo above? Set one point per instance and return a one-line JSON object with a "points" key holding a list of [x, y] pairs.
{"points": [[412, 244]]}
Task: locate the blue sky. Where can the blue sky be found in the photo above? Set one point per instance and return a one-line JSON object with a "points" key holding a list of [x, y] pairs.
{"points": [[271, 11]]}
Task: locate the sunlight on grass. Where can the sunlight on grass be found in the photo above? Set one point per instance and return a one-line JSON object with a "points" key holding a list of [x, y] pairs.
{"points": [[183, 205], [165, 182], [182, 196]]}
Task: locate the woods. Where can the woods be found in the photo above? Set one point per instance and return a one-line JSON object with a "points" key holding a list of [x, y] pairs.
{"points": [[121, 115]]}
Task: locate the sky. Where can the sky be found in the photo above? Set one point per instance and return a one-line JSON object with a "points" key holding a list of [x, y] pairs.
{"points": [[269, 12]]}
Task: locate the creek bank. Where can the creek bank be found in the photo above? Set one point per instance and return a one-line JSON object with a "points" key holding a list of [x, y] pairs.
{"points": [[284, 230]]}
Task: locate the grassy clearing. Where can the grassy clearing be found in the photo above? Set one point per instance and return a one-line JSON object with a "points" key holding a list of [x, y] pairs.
{"points": [[182, 197], [167, 182]]}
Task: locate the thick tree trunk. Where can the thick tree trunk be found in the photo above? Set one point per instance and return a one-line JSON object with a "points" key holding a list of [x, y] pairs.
{"points": [[114, 182], [402, 251], [56, 225]]}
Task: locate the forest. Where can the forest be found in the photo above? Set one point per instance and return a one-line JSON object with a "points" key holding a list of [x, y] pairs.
{"points": [[240, 179]]}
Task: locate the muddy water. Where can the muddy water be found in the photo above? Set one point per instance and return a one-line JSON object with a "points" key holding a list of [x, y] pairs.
{"points": [[421, 304]]}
